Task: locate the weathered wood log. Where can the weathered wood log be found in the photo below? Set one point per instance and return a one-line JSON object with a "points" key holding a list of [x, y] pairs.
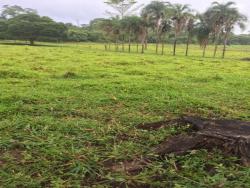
{"points": [[231, 136]]}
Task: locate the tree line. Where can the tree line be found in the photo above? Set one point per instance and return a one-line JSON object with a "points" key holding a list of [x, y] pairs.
{"points": [[158, 22], [165, 20], [17, 23]]}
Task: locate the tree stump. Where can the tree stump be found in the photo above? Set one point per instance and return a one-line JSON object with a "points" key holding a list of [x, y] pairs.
{"points": [[230, 136]]}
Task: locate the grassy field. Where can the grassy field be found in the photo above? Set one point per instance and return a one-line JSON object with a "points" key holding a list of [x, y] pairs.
{"points": [[66, 111]]}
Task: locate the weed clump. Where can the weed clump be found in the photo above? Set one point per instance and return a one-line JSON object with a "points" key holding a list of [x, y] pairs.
{"points": [[69, 75]]}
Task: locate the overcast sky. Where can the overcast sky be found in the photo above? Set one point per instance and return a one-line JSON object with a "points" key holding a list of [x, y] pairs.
{"points": [[82, 11]]}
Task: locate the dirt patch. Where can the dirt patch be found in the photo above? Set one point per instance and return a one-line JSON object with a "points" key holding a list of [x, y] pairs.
{"points": [[14, 154], [230, 136]]}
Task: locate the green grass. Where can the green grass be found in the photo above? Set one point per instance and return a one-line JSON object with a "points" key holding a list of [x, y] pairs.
{"points": [[66, 111]]}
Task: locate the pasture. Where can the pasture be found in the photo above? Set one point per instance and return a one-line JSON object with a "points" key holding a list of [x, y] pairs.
{"points": [[68, 111]]}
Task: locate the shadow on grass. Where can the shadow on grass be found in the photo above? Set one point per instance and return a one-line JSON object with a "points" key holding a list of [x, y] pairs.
{"points": [[245, 59], [26, 44]]}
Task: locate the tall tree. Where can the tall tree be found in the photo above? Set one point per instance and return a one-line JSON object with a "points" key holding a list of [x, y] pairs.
{"points": [[190, 30], [180, 15], [217, 15], [155, 12], [3, 29], [233, 18], [203, 31], [116, 31], [122, 7], [131, 26], [166, 27], [143, 32], [107, 27], [13, 11], [32, 27]]}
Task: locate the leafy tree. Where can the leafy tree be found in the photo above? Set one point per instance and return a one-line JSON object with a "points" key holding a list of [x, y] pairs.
{"points": [[131, 26], [122, 7], [32, 27], [143, 31], [155, 12], [166, 27], [116, 31], [216, 16], [180, 15], [203, 31], [13, 11], [107, 27], [190, 30], [233, 17], [3, 29], [243, 39], [77, 35]]}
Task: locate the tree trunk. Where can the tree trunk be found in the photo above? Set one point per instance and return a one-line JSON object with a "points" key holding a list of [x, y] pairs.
{"points": [[116, 46], [162, 44], [230, 136], [143, 39], [204, 48], [32, 42], [187, 47], [157, 44], [225, 45], [146, 40], [215, 49], [162, 48], [137, 47], [142, 48], [175, 42], [123, 39], [156, 48], [216, 41], [129, 44]]}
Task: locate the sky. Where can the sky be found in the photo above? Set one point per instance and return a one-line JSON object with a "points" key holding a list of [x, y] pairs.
{"points": [[82, 11]]}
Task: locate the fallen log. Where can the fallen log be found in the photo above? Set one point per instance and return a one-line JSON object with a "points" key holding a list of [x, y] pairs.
{"points": [[230, 136]]}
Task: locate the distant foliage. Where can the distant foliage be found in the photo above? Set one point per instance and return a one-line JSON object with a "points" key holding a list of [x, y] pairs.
{"points": [[32, 27], [159, 22]]}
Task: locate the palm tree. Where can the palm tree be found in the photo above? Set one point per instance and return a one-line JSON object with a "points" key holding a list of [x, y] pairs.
{"points": [[217, 15], [107, 26], [190, 28], [155, 12], [116, 31], [233, 17], [166, 26], [203, 31], [131, 26], [180, 15], [142, 33], [122, 7]]}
